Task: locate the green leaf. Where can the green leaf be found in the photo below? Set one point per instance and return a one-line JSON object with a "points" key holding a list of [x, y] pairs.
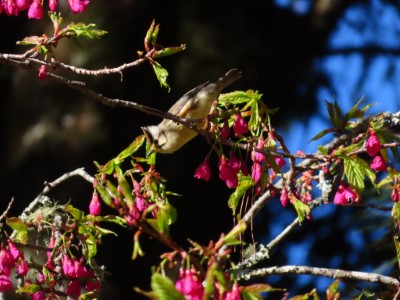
{"points": [[355, 169], [164, 288], [30, 40], [105, 196], [132, 148], [302, 210], [245, 182], [149, 35], [322, 134], [84, 30], [154, 35], [29, 288], [235, 98], [162, 74], [322, 150], [332, 291], [168, 51], [335, 114], [250, 296], [74, 212], [20, 228], [252, 292], [232, 237]]}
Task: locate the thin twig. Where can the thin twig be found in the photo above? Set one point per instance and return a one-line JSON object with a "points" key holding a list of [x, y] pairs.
{"points": [[5, 213]]}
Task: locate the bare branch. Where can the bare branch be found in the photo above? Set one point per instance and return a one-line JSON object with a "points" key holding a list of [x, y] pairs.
{"points": [[5, 213], [333, 273], [50, 185]]}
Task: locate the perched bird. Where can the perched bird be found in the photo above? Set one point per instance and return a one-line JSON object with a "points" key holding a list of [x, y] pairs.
{"points": [[169, 136]]}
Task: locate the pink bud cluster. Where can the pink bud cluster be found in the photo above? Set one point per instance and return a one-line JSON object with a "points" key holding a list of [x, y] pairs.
{"points": [[35, 7], [346, 195], [77, 272], [11, 257], [373, 147], [189, 285]]}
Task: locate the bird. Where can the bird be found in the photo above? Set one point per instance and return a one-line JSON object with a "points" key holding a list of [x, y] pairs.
{"points": [[169, 136]]}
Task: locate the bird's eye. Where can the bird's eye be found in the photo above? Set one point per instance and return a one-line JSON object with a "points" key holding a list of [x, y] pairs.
{"points": [[155, 142]]}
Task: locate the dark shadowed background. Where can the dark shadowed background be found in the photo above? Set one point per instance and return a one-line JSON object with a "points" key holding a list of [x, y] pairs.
{"points": [[297, 53]]}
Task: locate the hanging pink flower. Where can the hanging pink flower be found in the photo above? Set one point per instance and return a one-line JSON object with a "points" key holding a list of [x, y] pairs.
{"points": [[256, 171], [378, 164], [189, 285], [78, 6], [225, 131], [257, 156], [240, 126], [234, 294], [5, 283], [345, 196], [35, 10], [373, 146], [203, 171], [94, 206], [53, 4], [74, 288], [284, 197]]}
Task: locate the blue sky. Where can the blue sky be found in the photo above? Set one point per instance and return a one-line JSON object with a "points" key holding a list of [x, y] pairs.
{"points": [[352, 76]]}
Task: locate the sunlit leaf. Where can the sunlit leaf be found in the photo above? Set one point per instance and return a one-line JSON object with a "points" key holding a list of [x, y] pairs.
{"points": [[164, 288], [20, 228], [245, 182], [302, 209], [162, 74]]}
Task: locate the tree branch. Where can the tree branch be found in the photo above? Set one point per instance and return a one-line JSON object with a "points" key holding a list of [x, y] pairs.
{"points": [[333, 273]]}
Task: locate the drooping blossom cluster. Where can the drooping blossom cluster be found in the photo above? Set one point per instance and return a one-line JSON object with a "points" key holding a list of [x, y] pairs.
{"points": [[77, 271], [190, 285], [345, 195], [230, 168], [373, 147], [35, 7], [11, 257]]}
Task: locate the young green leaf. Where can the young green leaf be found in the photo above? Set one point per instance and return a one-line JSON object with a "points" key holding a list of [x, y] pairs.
{"points": [[302, 210], [162, 74], [164, 288], [84, 30], [245, 182], [20, 228]]}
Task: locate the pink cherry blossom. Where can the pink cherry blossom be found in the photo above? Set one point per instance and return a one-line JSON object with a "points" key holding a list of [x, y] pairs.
{"points": [[345, 196], [5, 283], [42, 72], [35, 11], [94, 206], [74, 288], [53, 4], [22, 4], [378, 164], [284, 197], [257, 156], [234, 294], [228, 172], [189, 285], [240, 126], [395, 195], [373, 146], [38, 296], [22, 268], [280, 162], [78, 6], [10, 7], [225, 131], [256, 171], [68, 266], [203, 171]]}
